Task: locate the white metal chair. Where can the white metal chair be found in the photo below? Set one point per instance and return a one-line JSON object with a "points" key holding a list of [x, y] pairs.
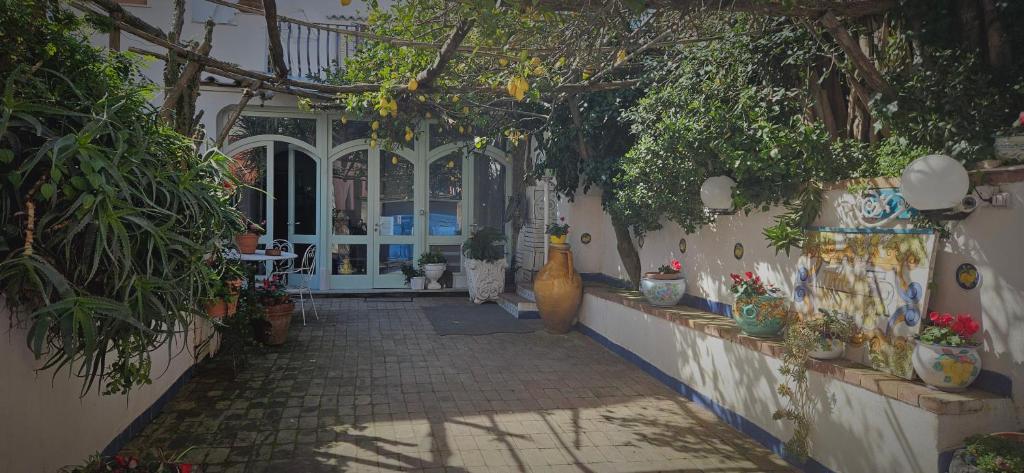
{"points": [[283, 267], [307, 267]]}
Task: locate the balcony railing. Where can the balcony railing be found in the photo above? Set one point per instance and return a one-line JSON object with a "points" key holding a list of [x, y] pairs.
{"points": [[309, 51]]}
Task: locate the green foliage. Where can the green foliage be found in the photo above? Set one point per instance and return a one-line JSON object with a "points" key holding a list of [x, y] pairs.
{"points": [[410, 271], [735, 109], [801, 339], [431, 257], [484, 245], [994, 454], [105, 214]]}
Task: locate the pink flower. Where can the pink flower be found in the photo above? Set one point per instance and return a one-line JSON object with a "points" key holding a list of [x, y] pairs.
{"points": [[749, 275], [676, 265], [1020, 120]]}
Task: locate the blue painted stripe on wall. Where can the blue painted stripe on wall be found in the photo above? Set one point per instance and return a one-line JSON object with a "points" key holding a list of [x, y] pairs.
{"points": [[906, 231], [135, 427], [737, 421]]}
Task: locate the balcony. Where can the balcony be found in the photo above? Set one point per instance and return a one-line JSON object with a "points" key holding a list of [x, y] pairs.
{"points": [[312, 48]]}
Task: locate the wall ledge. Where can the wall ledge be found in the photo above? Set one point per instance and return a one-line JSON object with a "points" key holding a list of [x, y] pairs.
{"points": [[913, 393]]}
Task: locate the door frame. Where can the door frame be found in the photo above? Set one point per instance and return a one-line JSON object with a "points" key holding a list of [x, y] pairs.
{"points": [[324, 154]]}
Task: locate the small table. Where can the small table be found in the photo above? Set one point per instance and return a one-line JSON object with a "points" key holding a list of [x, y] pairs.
{"points": [[260, 256]]}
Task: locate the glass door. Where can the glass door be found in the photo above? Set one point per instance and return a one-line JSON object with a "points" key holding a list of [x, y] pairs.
{"points": [[302, 204], [396, 226], [349, 204]]}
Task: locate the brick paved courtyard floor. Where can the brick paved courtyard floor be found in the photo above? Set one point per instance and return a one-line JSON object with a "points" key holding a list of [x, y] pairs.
{"points": [[371, 387]]}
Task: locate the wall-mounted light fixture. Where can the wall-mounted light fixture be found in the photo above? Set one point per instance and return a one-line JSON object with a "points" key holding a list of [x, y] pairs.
{"points": [[716, 193], [937, 185]]}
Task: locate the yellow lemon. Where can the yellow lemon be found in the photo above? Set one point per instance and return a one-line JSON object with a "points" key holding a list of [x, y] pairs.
{"points": [[375, 125], [535, 61], [465, 110], [408, 134], [413, 85], [346, 3], [451, 164], [373, 135], [373, 143], [503, 62], [383, 112], [517, 87], [455, 99], [539, 71], [423, 98], [344, 119], [394, 160], [620, 57], [461, 129], [561, 62], [587, 73]]}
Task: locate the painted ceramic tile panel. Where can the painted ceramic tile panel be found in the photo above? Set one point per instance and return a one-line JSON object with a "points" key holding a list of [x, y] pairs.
{"points": [[880, 279]]}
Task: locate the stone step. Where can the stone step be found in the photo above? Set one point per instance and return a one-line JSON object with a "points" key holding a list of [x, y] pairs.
{"points": [[518, 306], [525, 290]]}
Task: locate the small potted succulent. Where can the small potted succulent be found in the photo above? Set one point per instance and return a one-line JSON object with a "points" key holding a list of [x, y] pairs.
{"points": [[485, 264], [413, 277], [1001, 452], [759, 310], [248, 241], [946, 356], [558, 232], [827, 335], [433, 264], [665, 287], [277, 308]]}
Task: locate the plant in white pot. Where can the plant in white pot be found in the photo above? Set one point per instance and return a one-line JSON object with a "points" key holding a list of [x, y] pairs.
{"points": [[825, 336], [945, 356], [485, 264], [413, 277], [666, 287], [433, 264]]}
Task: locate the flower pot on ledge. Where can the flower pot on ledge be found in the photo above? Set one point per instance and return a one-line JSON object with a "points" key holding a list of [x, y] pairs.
{"points": [[663, 290], [761, 316], [946, 368], [247, 243]]}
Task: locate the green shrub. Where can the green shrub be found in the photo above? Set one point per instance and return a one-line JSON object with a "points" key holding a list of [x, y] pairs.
{"points": [[483, 245]]}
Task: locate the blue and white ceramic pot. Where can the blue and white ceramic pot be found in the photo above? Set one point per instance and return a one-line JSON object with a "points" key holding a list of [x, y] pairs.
{"points": [[663, 290]]}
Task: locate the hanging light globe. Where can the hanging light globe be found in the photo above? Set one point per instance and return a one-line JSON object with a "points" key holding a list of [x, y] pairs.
{"points": [[716, 193], [934, 182]]}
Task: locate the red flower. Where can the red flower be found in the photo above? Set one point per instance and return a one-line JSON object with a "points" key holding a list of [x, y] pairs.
{"points": [[185, 468], [757, 279], [965, 326], [735, 277], [1020, 119], [676, 265], [749, 275]]}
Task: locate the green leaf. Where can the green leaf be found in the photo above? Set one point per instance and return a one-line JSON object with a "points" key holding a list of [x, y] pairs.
{"points": [[47, 190]]}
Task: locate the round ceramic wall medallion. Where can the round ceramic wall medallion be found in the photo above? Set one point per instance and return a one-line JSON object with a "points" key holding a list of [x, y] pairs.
{"points": [[682, 245], [967, 276], [737, 250], [585, 238]]}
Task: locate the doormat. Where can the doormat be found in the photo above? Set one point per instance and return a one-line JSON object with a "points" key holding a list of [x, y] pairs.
{"points": [[483, 319]]}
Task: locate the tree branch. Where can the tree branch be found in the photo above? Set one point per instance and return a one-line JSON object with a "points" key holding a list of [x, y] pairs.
{"points": [[247, 94], [187, 76], [860, 61], [849, 9], [122, 15], [274, 33], [427, 76]]}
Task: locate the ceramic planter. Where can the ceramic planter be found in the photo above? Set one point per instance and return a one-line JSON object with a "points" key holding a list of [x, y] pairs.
{"points": [[828, 349], [247, 243], [559, 290], [663, 290], [761, 316], [485, 280], [434, 271], [946, 368], [417, 283], [279, 316]]}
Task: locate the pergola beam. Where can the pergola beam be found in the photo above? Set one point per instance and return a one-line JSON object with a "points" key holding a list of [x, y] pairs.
{"points": [[806, 9]]}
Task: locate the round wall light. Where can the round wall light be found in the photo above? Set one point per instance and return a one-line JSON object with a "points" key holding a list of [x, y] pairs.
{"points": [[716, 193], [934, 182]]}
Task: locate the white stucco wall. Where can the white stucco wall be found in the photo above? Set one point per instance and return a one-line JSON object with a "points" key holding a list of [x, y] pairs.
{"points": [[990, 238], [854, 430], [45, 425]]}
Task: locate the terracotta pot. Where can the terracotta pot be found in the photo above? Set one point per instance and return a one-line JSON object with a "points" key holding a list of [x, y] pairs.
{"points": [[280, 318], [946, 368], [234, 285], [247, 243], [558, 240], [559, 290], [762, 316], [272, 252], [215, 308]]}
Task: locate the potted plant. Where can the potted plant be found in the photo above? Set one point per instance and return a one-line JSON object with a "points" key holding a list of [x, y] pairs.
{"points": [[759, 310], [248, 241], [277, 308], [558, 232], [826, 336], [945, 356], [485, 265], [665, 287], [433, 264], [1001, 452], [413, 277]]}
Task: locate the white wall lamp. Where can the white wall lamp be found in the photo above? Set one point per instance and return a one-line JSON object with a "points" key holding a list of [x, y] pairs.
{"points": [[937, 186], [716, 193]]}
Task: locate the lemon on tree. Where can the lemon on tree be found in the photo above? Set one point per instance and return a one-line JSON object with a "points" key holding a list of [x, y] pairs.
{"points": [[517, 87]]}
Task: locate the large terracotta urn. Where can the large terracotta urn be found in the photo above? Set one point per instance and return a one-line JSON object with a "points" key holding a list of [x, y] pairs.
{"points": [[559, 290]]}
